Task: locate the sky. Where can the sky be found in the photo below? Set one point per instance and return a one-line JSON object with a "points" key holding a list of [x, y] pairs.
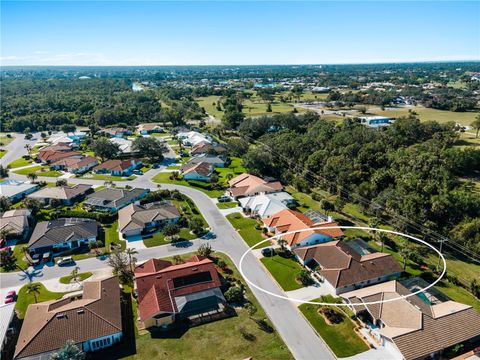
{"points": [[240, 33]]}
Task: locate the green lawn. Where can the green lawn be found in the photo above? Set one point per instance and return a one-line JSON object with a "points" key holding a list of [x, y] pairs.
{"points": [[2, 153], [235, 168], [215, 340], [80, 277], [20, 162], [24, 299], [284, 271], [164, 177], [227, 205], [4, 140], [39, 170], [246, 229], [341, 338], [459, 294], [19, 256], [107, 177]]}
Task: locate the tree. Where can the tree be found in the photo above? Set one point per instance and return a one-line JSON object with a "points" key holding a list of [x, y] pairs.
{"points": [[32, 177], [69, 351], [150, 148], [327, 206], [269, 108], [251, 309], [304, 277], [74, 273], [61, 182], [131, 259], [3, 172], [234, 295], [196, 225], [407, 252], [171, 230], [282, 243], [33, 204], [34, 288], [205, 250], [120, 265], [104, 148], [7, 260], [476, 124], [68, 128]]}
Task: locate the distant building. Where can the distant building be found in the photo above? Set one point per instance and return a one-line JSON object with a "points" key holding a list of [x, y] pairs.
{"points": [[93, 322], [376, 121], [250, 185], [215, 161], [167, 292], [134, 220], [149, 128], [71, 138], [75, 164], [62, 234], [15, 190], [67, 195], [117, 132], [207, 148], [15, 222], [193, 138], [113, 199], [197, 171]]}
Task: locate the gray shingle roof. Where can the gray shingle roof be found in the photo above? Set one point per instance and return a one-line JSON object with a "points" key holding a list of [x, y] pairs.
{"points": [[114, 198]]}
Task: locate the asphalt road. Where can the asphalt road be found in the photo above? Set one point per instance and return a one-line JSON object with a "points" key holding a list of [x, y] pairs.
{"points": [[16, 148], [296, 332]]}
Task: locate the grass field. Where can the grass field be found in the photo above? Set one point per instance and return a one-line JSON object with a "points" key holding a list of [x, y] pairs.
{"points": [[2, 153], [227, 205], [107, 177], [39, 170], [4, 140], [20, 162], [216, 340], [284, 271], [341, 338], [246, 229], [25, 299], [80, 277]]}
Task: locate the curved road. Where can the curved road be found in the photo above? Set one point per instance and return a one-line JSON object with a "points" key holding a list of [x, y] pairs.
{"points": [[295, 331]]}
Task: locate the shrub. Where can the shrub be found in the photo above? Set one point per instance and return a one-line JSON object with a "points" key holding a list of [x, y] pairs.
{"points": [[234, 295], [304, 277], [332, 315]]}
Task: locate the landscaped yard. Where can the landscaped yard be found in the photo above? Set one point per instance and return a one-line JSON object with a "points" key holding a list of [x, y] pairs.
{"points": [[80, 277], [227, 205], [220, 339], [107, 177], [164, 177], [20, 162], [2, 153], [246, 228], [39, 170], [284, 270], [341, 338], [5, 140], [24, 298]]}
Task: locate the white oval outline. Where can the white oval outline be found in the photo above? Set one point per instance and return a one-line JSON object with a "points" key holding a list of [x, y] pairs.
{"points": [[343, 304]]}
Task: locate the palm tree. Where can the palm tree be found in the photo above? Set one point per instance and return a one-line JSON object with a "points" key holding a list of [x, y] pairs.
{"points": [[476, 124], [282, 244], [74, 273], [34, 288], [406, 252], [130, 252], [32, 176]]}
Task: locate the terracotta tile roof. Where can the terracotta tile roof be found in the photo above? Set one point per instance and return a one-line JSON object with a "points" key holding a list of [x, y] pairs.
{"points": [[159, 282], [341, 265], [290, 220], [417, 328], [75, 162], [48, 325], [203, 169], [53, 155], [246, 185]]}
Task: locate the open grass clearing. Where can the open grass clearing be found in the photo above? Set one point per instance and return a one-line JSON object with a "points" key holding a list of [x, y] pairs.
{"points": [[284, 271], [164, 177]]}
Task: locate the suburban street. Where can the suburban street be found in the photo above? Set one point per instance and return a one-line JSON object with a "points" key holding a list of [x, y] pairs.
{"points": [[16, 148], [285, 316]]}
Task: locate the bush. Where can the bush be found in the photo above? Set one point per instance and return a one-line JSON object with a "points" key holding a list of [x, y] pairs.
{"points": [[304, 277], [332, 315], [234, 295]]}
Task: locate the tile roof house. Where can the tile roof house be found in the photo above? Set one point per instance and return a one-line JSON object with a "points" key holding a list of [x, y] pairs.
{"points": [[207, 148], [62, 234], [250, 185], [117, 167], [15, 190], [67, 195], [48, 156], [344, 268], [215, 161], [193, 138], [419, 326], [290, 220], [201, 171], [124, 145], [266, 204], [113, 199], [93, 322], [135, 219], [116, 132], [168, 292], [149, 128], [75, 164], [15, 222]]}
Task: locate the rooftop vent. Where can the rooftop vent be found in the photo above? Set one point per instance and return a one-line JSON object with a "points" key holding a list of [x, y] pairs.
{"points": [[60, 315], [194, 269], [81, 311]]}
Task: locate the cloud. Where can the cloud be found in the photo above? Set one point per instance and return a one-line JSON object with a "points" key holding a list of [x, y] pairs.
{"points": [[47, 58]]}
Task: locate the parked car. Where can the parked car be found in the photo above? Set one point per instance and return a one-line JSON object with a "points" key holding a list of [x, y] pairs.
{"points": [[209, 235], [155, 166], [223, 198], [11, 297], [138, 172], [65, 261], [268, 252]]}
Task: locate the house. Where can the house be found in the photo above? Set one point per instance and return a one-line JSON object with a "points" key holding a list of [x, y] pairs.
{"points": [[168, 292], [7, 331], [414, 327], [376, 121], [136, 219], [73, 139], [113, 199], [201, 172], [93, 322], [348, 265], [193, 138], [215, 161], [48, 156], [15, 222], [149, 128], [15, 190], [266, 205], [124, 145], [62, 234], [75, 164], [66, 195], [117, 167], [290, 220], [250, 185], [117, 132], [207, 148]]}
